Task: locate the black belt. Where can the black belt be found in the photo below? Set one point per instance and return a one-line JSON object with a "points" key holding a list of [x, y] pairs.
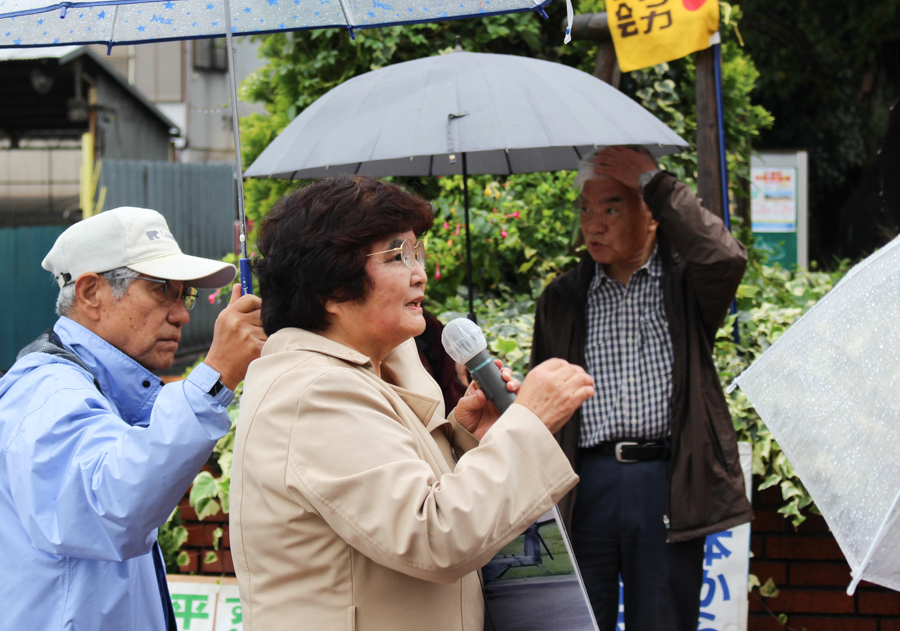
{"points": [[631, 450]]}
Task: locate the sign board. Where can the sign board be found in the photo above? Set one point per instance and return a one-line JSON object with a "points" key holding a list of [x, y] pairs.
{"points": [[646, 33], [533, 583], [205, 603], [778, 206]]}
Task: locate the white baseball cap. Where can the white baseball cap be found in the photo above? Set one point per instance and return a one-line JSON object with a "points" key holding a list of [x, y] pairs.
{"points": [[136, 238]]}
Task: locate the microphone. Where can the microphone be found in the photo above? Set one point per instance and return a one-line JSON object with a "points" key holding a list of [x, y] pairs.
{"points": [[465, 343]]}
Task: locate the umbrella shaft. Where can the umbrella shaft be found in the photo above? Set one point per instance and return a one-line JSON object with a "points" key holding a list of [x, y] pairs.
{"points": [[465, 175], [242, 217]]}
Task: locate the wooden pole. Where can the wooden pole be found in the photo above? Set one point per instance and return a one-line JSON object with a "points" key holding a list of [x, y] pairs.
{"points": [[709, 165]]}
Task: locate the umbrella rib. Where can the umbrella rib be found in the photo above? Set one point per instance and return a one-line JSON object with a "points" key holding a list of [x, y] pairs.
{"points": [[350, 24], [876, 541]]}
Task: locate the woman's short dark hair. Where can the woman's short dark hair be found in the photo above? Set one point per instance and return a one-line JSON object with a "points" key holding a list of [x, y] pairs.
{"points": [[314, 245]]}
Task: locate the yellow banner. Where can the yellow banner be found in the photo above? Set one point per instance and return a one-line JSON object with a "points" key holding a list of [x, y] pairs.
{"points": [[649, 32]]}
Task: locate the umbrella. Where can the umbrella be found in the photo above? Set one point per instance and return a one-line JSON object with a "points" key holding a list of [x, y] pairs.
{"points": [[461, 113], [29, 23], [827, 390]]}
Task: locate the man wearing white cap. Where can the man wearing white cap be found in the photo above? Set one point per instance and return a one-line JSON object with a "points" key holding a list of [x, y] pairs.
{"points": [[96, 451]]}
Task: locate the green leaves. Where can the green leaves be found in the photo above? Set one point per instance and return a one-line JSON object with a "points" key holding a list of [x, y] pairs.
{"points": [[768, 589], [521, 229], [770, 300], [203, 492]]}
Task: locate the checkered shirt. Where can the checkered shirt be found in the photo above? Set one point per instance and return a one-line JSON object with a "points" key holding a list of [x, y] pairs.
{"points": [[629, 353]]}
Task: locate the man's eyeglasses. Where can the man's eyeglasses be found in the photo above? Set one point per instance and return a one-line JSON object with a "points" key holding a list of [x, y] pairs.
{"points": [[185, 294], [409, 253]]}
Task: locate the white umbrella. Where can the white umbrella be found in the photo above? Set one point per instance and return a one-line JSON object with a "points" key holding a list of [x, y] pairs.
{"points": [[461, 113], [29, 23], [828, 391]]}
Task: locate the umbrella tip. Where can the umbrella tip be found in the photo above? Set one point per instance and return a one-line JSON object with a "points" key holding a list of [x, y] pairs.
{"points": [[459, 47]]}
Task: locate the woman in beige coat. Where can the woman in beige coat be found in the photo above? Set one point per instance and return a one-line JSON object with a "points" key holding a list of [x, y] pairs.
{"points": [[355, 502]]}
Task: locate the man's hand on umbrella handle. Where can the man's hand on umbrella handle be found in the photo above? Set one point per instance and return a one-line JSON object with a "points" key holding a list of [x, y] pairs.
{"points": [[238, 338], [623, 164]]}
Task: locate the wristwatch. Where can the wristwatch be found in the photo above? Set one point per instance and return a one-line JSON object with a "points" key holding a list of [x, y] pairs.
{"points": [[216, 388], [644, 179]]}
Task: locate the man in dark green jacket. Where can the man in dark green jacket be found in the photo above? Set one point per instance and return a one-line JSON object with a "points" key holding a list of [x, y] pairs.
{"points": [[655, 448]]}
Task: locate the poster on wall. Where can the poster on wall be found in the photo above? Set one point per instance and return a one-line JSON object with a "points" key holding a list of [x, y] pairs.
{"points": [[773, 199]]}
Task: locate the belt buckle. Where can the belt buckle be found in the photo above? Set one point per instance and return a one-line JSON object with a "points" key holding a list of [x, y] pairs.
{"points": [[619, 450]]}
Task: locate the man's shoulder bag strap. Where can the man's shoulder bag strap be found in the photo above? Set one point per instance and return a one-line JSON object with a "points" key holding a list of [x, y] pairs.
{"points": [[48, 342]]}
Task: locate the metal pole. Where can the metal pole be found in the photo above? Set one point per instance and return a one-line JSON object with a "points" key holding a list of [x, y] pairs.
{"points": [[465, 175], [723, 159], [723, 164], [246, 274]]}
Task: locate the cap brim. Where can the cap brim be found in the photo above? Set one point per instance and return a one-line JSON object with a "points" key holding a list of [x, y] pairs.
{"points": [[198, 272]]}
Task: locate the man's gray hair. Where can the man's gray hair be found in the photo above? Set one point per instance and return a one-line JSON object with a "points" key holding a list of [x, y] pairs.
{"points": [[586, 170], [586, 166], [119, 280]]}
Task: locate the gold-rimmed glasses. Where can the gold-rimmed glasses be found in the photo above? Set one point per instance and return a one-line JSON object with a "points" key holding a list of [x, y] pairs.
{"points": [[409, 253], [188, 295]]}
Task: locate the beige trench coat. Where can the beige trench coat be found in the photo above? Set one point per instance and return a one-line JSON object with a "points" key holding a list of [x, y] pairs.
{"points": [[348, 509]]}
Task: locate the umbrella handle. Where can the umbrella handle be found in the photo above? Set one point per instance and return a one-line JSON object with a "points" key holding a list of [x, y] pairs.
{"points": [[246, 277]]}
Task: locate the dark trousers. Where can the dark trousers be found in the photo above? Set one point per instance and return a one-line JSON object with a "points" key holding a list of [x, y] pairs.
{"points": [[617, 528]]}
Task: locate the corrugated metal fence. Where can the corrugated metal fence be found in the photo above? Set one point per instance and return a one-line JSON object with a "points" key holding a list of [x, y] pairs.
{"points": [[29, 302], [199, 203]]}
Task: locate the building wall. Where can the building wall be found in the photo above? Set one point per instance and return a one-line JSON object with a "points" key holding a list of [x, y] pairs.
{"points": [[188, 82], [126, 130], [39, 186]]}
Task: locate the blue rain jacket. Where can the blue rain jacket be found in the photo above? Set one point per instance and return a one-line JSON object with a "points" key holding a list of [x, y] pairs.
{"points": [[86, 478]]}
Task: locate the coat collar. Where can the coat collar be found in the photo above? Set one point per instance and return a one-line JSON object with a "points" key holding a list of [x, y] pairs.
{"points": [[402, 365], [294, 339], [122, 380]]}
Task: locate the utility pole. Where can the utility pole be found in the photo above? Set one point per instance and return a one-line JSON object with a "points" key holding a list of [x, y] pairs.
{"points": [[709, 157], [595, 27]]}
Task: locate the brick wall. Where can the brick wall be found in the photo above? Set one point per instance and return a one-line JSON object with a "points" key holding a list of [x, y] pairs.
{"points": [[812, 576], [200, 541]]}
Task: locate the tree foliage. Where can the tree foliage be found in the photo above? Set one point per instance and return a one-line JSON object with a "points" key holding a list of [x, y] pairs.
{"points": [[829, 72]]}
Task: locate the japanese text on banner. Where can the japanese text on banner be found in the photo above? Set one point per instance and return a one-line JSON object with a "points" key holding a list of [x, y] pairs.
{"points": [[649, 32]]}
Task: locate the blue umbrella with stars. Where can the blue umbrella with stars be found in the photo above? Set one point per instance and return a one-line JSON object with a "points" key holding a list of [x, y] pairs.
{"points": [[34, 23]]}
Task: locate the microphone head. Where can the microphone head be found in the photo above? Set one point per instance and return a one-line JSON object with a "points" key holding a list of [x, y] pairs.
{"points": [[463, 340]]}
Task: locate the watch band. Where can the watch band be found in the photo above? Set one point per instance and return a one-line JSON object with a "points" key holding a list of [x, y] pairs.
{"points": [[645, 178], [216, 388]]}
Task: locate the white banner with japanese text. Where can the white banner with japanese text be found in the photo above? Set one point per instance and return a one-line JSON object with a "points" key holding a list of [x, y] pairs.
{"points": [[205, 603]]}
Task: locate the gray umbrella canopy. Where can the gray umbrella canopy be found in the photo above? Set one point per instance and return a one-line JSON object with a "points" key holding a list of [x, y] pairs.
{"points": [[461, 114], [508, 114]]}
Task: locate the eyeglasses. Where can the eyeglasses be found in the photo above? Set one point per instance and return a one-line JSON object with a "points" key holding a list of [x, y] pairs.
{"points": [[187, 295], [409, 253]]}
